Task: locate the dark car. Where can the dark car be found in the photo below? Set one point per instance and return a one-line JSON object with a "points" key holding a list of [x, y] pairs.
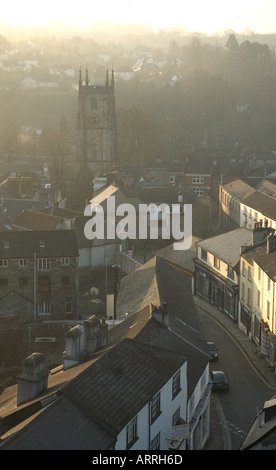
{"points": [[212, 350], [219, 380]]}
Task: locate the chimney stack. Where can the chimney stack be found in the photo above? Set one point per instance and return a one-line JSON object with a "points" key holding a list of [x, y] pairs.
{"points": [[34, 378], [271, 243]]}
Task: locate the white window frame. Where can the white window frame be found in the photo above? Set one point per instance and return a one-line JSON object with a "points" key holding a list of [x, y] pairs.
{"points": [[44, 264], [132, 431], [44, 308], [199, 192], [176, 416], [4, 263], [65, 261], [22, 262], [155, 407], [198, 179], [155, 442], [176, 384]]}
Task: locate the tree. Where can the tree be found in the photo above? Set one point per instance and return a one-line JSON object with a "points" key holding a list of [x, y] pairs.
{"points": [[232, 43]]}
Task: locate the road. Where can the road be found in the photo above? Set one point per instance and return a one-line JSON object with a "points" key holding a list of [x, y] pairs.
{"points": [[233, 412]]}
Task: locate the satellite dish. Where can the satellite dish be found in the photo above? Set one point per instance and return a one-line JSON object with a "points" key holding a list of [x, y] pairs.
{"points": [[94, 291]]}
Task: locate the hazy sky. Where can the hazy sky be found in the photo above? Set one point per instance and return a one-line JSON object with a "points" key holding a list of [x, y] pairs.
{"points": [[206, 16]]}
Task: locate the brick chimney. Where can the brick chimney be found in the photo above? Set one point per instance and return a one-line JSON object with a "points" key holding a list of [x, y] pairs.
{"points": [[34, 378]]}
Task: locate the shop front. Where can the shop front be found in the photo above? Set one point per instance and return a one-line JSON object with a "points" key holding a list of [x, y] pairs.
{"points": [[216, 290]]}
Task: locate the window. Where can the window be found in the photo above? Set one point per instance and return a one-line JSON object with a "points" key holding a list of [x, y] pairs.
{"points": [[203, 254], [4, 282], [64, 261], [230, 272], [131, 432], [23, 281], [198, 179], [249, 273], [22, 263], [44, 308], [44, 284], [243, 268], [6, 244], [258, 298], [155, 442], [172, 179], [155, 407], [191, 405], [69, 304], [243, 291], [176, 384], [259, 274], [3, 263], [268, 309], [42, 243], [216, 262], [44, 264], [176, 417], [268, 283], [199, 192], [248, 296]]}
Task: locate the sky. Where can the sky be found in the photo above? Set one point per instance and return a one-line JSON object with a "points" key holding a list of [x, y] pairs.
{"points": [[206, 16]]}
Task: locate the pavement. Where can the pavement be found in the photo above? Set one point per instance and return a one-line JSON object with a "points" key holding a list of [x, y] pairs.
{"points": [[246, 344]]}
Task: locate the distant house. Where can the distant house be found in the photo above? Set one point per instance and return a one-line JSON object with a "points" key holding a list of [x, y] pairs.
{"points": [[38, 275], [230, 197], [148, 389], [258, 208], [124, 73], [28, 83], [174, 326], [257, 293], [35, 220], [217, 269]]}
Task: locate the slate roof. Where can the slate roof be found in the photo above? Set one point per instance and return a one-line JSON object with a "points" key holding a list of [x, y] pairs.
{"points": [[97, 404], [61, 426], [132, 373], [239, 188], [262, 203], [138, 290], [14, 207], [266, 187], [227, 246], [60, 212], [156, 282], [266, 433], [34, 220], [266, 261], [23, 244], [180, 258]]}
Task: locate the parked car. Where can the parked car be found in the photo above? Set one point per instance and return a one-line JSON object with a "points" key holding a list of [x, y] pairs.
{"points": [[219, 380], [213, 350]]}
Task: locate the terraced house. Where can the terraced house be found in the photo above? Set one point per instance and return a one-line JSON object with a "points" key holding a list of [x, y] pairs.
{"points": [[38, 275]]}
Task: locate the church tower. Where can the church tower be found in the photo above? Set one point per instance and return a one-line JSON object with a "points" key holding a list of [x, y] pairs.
{"points": [[96, 125]]}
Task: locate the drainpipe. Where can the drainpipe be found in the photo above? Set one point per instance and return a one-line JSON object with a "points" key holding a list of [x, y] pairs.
{"points": [[35, 287], [149, 424]]}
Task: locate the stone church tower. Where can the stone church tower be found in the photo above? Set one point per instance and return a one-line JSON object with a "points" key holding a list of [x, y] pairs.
{"points": [[96, 125]]}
